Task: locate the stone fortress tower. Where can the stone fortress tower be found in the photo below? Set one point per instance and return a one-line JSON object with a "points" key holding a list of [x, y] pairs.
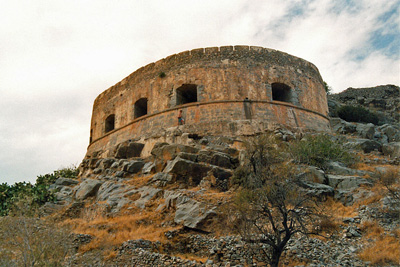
{"points": [[222, 91]]}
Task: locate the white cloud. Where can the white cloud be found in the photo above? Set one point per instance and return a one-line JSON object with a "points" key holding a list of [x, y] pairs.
{"points": [[57, 56]]}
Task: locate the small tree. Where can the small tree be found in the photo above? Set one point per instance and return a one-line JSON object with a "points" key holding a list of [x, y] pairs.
{"points": [[30, 241], [270, 208]]}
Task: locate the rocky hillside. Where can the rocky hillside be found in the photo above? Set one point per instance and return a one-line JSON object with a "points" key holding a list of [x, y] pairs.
{"points": [[383, 100], [174, 207]]}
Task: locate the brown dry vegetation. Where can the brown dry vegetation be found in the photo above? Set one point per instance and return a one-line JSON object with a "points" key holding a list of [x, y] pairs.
{"points": [[112, 231], [339, 211], [385, 247]]}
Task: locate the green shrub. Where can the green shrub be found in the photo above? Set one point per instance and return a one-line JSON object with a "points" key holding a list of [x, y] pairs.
{"points": [[357, 114], [317, 150], [32, 195]]}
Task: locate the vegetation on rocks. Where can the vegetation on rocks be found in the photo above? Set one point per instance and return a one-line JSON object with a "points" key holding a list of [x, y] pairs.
{"points": [[33, 195], [318, 150], [357, 114], [270, 208]]}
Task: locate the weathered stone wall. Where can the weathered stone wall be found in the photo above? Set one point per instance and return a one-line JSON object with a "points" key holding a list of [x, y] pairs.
{"points": [[234, 96]]}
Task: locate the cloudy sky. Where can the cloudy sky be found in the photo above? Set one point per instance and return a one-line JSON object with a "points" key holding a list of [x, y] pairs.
{"points": [[57, 56]]}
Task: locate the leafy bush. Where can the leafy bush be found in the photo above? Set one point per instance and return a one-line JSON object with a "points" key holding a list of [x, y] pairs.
{"points": [[357, 114], [32, 195], [317, 150]]}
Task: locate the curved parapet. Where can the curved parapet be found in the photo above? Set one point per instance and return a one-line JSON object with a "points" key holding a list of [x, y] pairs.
{"points": [[229, 90]]}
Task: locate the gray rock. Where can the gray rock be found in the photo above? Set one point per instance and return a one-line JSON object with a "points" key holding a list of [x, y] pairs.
{"points": [[192, 214], [109, 189], [344, 196], [343, 127], [128, 149], [365, 144], [119, 174], [97, 171], [353, 232], [346, 182], [313, 174], [365, 130], [316, 189], [161, 179], [147, 193], [87, 188], [221, 160], [187, 171], [392, 132], [105, 163], [391, 149], [134, 166], [66, 181], [338, 168], [149, 167], [169, 152], [188, 156], [64, 195]]}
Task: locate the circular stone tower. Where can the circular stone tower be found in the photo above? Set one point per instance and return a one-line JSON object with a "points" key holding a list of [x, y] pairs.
{"points": [[229, 91]]}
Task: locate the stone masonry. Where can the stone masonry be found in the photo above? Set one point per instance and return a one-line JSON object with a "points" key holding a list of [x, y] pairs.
{"points": [[229, 90]]}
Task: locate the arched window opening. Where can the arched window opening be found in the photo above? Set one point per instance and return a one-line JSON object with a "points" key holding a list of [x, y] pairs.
{"points": [[281, 92], [187, 93], [140, 108], [110, 123]]}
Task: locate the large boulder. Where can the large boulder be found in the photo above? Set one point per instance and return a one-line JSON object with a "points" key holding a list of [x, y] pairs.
{"points": [[161, 179], [313, 174], [65, 195], [66, 181], [188, 212], [392, 149], [339, 168], [365, 130], [87, 188], [105, 163], [147, 193], [133, 166], [366, 145], [346, 182], [391, 131], [341, 126], [318, 190], [109, 189], [128, 149], [165, 152], [188, 171]]}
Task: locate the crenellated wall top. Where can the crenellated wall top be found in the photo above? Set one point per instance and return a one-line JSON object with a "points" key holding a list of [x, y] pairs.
{"points": [[236, 53]]}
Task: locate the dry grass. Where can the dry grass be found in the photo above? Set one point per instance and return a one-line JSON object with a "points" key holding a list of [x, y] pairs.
{"points": [[112, 231], [365, 167], [375, 198], [371, 229], [339, 211], [139, 181], [384, 249]]}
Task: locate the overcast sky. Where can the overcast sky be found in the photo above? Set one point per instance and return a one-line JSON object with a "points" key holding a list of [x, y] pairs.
{"points": [[57, 56]]}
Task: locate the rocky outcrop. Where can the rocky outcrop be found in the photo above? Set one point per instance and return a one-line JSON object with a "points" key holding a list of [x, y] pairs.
{"points": [[383, 100], [128, 149], [87, 188]]}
